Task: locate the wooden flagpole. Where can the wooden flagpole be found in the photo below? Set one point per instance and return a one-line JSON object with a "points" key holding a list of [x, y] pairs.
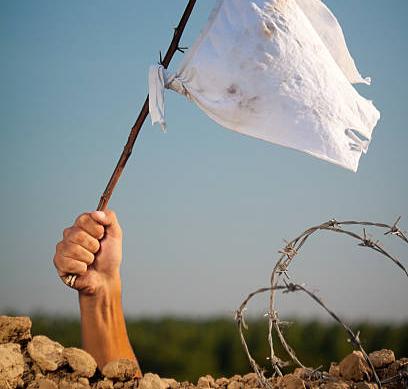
{"points": [[127, 150], [70, 279]]}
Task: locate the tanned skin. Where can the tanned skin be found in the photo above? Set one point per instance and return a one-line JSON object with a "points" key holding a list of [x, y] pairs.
{"points": [[92, 249]]}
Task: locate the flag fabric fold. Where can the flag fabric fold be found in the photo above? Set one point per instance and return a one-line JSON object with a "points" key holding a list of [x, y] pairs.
{"points": [[276, 70]]}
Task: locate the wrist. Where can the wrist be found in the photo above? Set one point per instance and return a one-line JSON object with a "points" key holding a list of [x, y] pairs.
{"points": [[107, 294]]}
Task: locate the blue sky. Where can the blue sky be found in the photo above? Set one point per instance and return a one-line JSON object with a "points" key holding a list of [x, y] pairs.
{"points": [[204, 210]]}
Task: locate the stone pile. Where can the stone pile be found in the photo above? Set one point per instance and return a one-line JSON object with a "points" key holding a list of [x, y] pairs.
{"points": [[40, 363]]}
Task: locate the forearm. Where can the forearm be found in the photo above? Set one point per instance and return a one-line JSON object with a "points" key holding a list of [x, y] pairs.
{"points": [[103, 326]]}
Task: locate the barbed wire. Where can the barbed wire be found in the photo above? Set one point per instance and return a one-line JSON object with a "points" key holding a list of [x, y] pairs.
{"points": [[281, 281]]}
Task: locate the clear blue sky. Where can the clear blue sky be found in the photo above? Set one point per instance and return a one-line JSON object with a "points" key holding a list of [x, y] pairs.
{"points": [[204, 210]]}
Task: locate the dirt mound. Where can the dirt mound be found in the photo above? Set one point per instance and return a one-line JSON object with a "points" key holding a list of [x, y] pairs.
{"points": [[40, 363]]}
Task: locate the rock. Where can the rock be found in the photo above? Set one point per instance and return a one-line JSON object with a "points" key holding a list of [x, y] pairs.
{"points": [[105, 384], [83, 380], [235, 377], [382, 358], [14, 329], [203, 383], [152, 381], [366, 385], [354, 367], [235, 385], [334, 369], [302, 372], [395, 367], [206, 382], [122, 369], [80, 361], [290, 381], [35, 370], [185, 384], [251, 380], [64, 384], [130, 385], [382, 373], [222, 381], [172, 383], [45, 383], [118, 385], [11, 365], [335, 385], [46, 353]]}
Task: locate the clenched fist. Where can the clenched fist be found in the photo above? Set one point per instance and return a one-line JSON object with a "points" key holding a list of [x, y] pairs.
{"points": [[91, 249]]}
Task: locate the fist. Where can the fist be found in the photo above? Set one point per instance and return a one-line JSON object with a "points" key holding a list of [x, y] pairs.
{"points": [[91, 249]]}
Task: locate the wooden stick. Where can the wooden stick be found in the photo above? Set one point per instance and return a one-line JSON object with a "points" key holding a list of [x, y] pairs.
{"points": [[70, 279], [127, 150]]}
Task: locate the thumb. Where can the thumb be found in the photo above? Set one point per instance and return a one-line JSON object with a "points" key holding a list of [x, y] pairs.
{"points": [[109, 220]]}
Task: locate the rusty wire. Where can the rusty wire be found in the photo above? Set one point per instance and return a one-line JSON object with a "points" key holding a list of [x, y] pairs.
{"points": [[280, 281]]}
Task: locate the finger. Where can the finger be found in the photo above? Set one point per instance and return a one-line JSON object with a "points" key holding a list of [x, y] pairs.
{"points": [[70, 280], [75, 251], [87, 283], [81, 237], [91, 226], [109, 219], [66, 265]]}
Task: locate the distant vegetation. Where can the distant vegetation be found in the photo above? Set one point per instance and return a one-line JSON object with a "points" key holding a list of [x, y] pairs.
{"points": [[186, 349]]}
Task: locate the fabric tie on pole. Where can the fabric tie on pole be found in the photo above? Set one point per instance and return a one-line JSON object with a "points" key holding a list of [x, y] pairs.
{"points": [[156, 95], [159, 79], [276, 70]]}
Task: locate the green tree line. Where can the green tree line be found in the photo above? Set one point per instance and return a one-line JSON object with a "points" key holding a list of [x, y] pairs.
{"points": [[187, 349]]}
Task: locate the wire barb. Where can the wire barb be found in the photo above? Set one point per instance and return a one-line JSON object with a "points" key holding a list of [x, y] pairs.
{"points": [[182, 49]]}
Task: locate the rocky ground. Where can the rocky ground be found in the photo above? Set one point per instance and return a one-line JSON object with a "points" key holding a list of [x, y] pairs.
{"points": [[40, 363]]}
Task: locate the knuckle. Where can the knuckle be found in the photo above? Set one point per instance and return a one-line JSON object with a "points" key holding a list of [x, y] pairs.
{"points": [[82, 219], [71, 266], [81, 237], [83, 255], [66, 232], [64, 264], [71, 251], [55, 261], [59, 247], [76, 267], [86, 241]]}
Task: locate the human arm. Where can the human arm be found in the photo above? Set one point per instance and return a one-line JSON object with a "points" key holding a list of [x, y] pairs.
{"points": [[92, 249]]}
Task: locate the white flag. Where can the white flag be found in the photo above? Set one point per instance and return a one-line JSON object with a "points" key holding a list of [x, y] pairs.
{"points": [[277, 70]]}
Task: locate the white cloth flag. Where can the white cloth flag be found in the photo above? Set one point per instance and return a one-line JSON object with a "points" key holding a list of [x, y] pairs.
{"points": [[277, 70]]}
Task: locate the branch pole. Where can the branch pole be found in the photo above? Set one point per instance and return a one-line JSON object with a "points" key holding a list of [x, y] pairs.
{"points": [[70, 279], [127, 150]]}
